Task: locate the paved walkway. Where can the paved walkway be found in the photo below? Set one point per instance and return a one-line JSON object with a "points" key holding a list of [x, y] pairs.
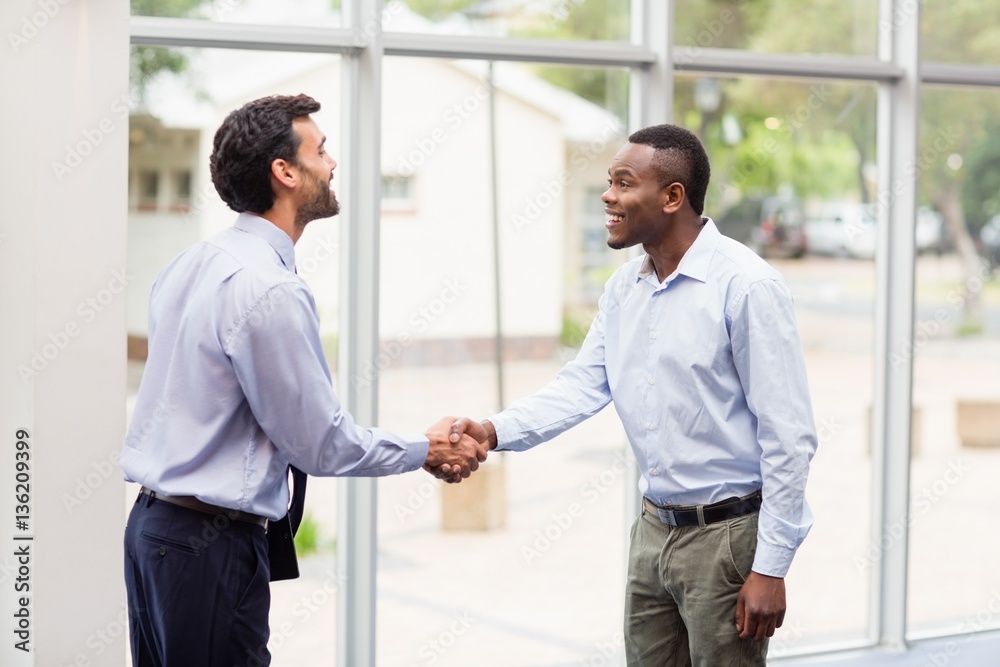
{"points": [[546, 589]]}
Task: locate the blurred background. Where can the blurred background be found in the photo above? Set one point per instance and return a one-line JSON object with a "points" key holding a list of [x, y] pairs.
{"points": [[492, 255]]}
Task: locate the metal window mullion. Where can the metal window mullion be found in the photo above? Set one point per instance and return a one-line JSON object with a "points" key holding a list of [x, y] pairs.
{"points": [[799, 65], [898, 114], [359, 327], [651, 85], [650, 102], [461, 47], [959, 75], [154, 31]]}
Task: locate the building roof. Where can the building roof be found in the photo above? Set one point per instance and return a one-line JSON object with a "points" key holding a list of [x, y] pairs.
{"points": [[218, 77]]}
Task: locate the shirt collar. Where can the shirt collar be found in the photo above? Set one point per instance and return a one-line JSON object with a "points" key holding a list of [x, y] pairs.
{"points": [[695, 262], [277, 239]]}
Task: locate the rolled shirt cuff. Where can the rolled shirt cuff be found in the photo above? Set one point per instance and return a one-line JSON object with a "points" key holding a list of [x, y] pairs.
{"points": [[417, 446], [507, 433], [772, 560]]}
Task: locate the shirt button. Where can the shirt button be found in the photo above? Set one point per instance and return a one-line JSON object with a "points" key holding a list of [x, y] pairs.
{"points": [[651, 381], [650, 427], [652, 336], [654, 472]]}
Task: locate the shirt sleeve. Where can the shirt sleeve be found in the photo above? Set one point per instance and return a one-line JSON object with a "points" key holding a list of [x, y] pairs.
{"points": [[278, 360], [768, 356], [579, 391]]}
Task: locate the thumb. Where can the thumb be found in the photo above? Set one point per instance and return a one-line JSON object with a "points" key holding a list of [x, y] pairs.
{"points": [[458, 429], [740, 612]]}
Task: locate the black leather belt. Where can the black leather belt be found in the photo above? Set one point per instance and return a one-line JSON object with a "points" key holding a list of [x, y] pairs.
{"points": [[192, 503], [689, 515]]}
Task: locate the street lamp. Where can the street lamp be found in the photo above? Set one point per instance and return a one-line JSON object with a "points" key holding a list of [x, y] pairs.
{"points": [[707, 99]]}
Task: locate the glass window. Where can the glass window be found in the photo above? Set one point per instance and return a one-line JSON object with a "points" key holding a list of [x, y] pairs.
{"points": [[792, 168], [181, 194], [544, 19], [397, 192], [957, 32], [783, 26], [512, 519], [180, 97], [956, 358], [149, 190], [261, 12]]}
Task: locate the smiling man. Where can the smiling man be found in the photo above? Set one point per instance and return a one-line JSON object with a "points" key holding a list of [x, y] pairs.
{"points": [[235, 354], [696, 344]]}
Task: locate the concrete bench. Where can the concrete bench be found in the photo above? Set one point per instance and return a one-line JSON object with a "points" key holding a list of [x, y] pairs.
{"points": [[478, 502], [977, 422]]}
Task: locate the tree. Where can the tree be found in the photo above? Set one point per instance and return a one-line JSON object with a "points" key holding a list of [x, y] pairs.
{"points": [[955, 134], [954, 168], [149, 61]]}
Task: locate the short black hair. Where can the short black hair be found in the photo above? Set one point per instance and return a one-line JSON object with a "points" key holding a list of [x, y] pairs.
{"points": [[679, 158], [248, 141]]}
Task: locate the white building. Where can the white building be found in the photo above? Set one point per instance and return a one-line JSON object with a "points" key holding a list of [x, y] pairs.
{"points": [[552, 153]]}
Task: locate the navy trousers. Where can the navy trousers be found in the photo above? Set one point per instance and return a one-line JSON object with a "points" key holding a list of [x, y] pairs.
{"points": [[198, 588]]}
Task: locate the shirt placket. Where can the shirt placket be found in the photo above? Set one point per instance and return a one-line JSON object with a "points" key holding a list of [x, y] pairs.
{"points": [[652, 403]]}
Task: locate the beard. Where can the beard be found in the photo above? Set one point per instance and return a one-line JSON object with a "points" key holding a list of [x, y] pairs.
{"points": [[621, 241], [322, 203]]}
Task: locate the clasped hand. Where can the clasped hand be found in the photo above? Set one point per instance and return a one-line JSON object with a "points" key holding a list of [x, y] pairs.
{"points": [[457, 447]]}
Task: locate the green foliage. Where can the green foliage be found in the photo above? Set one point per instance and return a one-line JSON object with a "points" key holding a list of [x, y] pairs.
{"points": [[596, 20], [723, 24], [967, 329], [569, 19], [981, 194], [331, 351], [149, 61], [309, 539], [439, 9], [574, 331], [166, 8]]}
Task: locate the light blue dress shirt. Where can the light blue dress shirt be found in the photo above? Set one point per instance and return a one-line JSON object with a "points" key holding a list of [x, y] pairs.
{"points": [[706, 372], [236, 386]]}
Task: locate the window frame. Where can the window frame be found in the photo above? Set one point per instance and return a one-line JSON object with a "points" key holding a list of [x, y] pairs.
{"points": [[652, 59]]}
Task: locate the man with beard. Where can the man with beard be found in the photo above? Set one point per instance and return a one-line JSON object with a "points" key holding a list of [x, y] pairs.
{"points": [[235, 395], [696, 344]]}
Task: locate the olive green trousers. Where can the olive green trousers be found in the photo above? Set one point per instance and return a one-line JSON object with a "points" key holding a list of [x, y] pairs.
{"points": [[680, 598]]}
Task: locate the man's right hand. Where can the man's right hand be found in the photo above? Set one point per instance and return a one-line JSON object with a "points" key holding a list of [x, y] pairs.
{"points": [[455, 458]]}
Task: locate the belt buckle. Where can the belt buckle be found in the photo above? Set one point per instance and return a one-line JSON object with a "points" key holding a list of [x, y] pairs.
{"points": [[666, 515]]}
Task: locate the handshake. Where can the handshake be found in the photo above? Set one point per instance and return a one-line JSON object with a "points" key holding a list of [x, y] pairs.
{"points": [[457, 447]]}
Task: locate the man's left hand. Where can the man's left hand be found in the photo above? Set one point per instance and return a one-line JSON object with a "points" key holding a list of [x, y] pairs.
{"points": [[760, 606]]}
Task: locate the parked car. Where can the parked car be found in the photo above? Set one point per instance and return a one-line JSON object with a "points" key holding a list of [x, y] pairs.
{"points": [[772, 226], [842, 229], [989, 241], [931, 236]]}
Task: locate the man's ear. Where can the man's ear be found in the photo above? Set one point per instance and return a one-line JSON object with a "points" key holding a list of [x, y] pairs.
{"points": [[673, 197], [284, 173]]}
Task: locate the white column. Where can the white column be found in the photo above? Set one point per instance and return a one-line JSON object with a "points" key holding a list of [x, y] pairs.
{"points": [[359, 288], [898, 115], [64, 127], [651, 91]]}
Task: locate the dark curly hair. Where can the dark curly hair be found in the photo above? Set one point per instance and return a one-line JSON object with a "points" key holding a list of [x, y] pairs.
{"points": [[248, 141], [679, 158]]}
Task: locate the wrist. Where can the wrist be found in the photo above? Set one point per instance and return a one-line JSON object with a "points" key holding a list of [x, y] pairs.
{"points": [[491, 433]]}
